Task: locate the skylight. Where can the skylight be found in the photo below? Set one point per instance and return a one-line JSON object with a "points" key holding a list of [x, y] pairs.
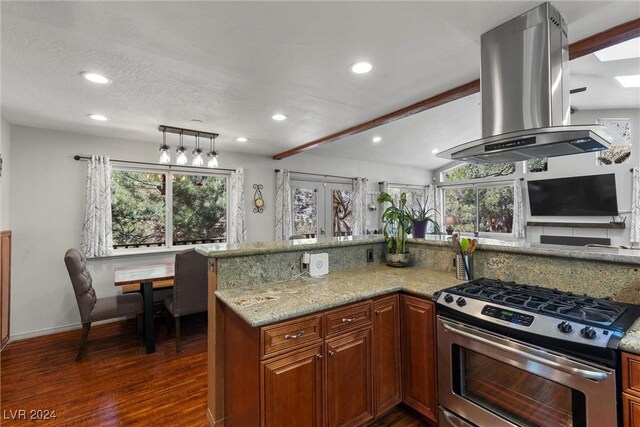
{"points": [[625, 50]]}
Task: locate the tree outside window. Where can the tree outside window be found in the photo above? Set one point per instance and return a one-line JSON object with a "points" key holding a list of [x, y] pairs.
{"points": [[469, 171], [140, 215], [480, 209]]}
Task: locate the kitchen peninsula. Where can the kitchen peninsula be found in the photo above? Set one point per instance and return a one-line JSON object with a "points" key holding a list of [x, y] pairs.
{"points": [[259, 290]]}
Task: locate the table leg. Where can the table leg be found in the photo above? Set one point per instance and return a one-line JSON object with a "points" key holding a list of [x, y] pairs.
{"points": [[149, 327]]}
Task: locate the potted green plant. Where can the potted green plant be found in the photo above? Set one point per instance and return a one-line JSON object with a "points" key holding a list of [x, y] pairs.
{"points": [[397, 221], [421, 217]]}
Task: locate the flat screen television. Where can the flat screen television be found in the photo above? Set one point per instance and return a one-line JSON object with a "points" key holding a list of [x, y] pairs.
{"points": [[592, 195]]}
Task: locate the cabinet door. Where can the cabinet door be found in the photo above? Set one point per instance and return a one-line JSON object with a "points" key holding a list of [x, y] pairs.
{"points": [[418, 356], [386, 353], [292, 390], [5, 285], [631, 408], [349, 387]]}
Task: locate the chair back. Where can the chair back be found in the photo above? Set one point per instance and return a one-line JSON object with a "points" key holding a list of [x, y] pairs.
{"points": [[82, 283], [190, 283]]}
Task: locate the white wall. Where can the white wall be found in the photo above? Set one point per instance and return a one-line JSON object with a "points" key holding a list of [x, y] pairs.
{"points": [[48, 190], [5, 150]]}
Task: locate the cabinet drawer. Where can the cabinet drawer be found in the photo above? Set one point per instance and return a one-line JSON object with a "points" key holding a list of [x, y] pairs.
{"points": [[290, 335], [631, 374], [348, 318]]}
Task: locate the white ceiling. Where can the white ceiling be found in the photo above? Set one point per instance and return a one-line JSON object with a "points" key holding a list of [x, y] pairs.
{"points": [[234, 64]]}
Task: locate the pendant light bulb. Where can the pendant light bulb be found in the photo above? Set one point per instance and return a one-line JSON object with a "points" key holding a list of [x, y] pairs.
{"points": [[165, 157], [213, 160], [197, 154], [212, 155], [182, 154]]}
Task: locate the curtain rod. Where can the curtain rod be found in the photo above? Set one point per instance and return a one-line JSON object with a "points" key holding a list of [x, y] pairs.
{"points": [[397, 184], [320, 174], [78, 157]]}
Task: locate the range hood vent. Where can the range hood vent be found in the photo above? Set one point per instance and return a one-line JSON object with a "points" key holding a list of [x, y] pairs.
{"points": [[525, 95]]}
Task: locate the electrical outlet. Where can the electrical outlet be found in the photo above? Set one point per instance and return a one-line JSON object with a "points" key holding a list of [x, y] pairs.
{"points": [[369, 256]]}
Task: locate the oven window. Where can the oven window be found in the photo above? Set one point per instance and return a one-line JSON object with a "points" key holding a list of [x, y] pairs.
{"points": [[519, 396]]}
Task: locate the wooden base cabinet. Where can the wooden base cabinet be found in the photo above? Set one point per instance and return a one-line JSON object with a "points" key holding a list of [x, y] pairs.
{"points": [[631, 389], [292, 389], [386, 354], [419, 370], [349, 386]]}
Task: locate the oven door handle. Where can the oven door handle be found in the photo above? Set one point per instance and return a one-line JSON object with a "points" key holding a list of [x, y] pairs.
{"points": [[590, 375]]}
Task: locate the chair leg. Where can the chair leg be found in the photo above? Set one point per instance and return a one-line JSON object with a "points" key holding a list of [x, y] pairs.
{"points": [[178, 345], [140, 319], [83, 341]]}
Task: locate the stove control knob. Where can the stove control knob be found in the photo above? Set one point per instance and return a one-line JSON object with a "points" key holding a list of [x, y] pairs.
{"points": [[588, 332], [461, 302], [448, 298], [565, 327]]}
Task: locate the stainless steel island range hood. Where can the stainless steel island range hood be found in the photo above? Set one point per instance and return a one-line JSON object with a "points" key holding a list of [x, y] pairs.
{"points": [[524, 84]]}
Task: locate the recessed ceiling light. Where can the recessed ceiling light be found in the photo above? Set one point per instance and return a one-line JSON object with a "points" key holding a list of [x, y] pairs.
{"points": [[279, 117], [361, 67], [376, 139], [629, 81], [241, 139], [95, 78], [98, 117], [434, 151], [624, 50]]}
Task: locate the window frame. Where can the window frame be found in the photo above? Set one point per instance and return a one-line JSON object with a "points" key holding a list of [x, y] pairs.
{"points": [[169, 171], [476, 185]]}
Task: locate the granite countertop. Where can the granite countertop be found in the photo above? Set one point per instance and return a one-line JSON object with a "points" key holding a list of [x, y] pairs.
{"points": [[268, 303], [227, 250], [617, 255]]}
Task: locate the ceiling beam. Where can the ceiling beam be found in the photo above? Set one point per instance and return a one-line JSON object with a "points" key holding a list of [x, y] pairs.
{"points": [[583, 47]]}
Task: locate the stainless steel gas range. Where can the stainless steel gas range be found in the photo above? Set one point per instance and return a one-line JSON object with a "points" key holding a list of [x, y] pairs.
{"points": [[520, 355]]}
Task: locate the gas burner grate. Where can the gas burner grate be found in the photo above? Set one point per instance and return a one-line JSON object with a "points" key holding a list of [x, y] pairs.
{"points": [[534, 298]]}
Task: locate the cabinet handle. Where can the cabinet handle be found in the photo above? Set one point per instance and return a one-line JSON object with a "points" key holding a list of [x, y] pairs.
{"points": [[331, 353], [293, 337], [349, 319], [319, 356], [378, 312]]}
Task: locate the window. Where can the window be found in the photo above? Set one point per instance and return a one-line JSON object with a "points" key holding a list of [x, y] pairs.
{"points": [[472, 171], [616, 155], [486, 209], [414, 195], [165, 209], [321, 209], [537, 165]]}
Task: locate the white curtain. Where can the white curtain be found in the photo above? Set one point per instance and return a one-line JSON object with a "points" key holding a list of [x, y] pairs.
{"points": [[432, 204], [284, 212], [359, 206], [518, 211], [97, 239], [635, 208], [237, 230]]}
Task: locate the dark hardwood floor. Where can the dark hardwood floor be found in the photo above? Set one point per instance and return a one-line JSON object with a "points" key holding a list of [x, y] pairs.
{"points": [[117, 384]]}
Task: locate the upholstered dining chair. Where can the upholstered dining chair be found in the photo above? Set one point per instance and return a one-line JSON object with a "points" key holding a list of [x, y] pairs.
{"points": [[93, 309], [189, 288]]}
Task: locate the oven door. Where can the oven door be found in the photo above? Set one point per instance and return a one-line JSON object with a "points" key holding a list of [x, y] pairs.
{"points": [[489, 380]]}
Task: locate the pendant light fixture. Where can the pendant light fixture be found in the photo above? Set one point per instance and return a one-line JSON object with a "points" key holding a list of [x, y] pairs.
{"points": [[182, 153], [212, 154], [197, 154], [165, 157]]}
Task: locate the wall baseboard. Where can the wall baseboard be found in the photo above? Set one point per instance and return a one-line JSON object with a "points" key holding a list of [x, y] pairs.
{"points": [[57, 329]]}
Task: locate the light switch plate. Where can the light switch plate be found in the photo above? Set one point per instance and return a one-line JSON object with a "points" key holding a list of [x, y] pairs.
{"points": [[318, 264]]}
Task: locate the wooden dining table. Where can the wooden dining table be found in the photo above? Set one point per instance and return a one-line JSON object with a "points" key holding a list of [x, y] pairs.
{"points": [[146, 275]]}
